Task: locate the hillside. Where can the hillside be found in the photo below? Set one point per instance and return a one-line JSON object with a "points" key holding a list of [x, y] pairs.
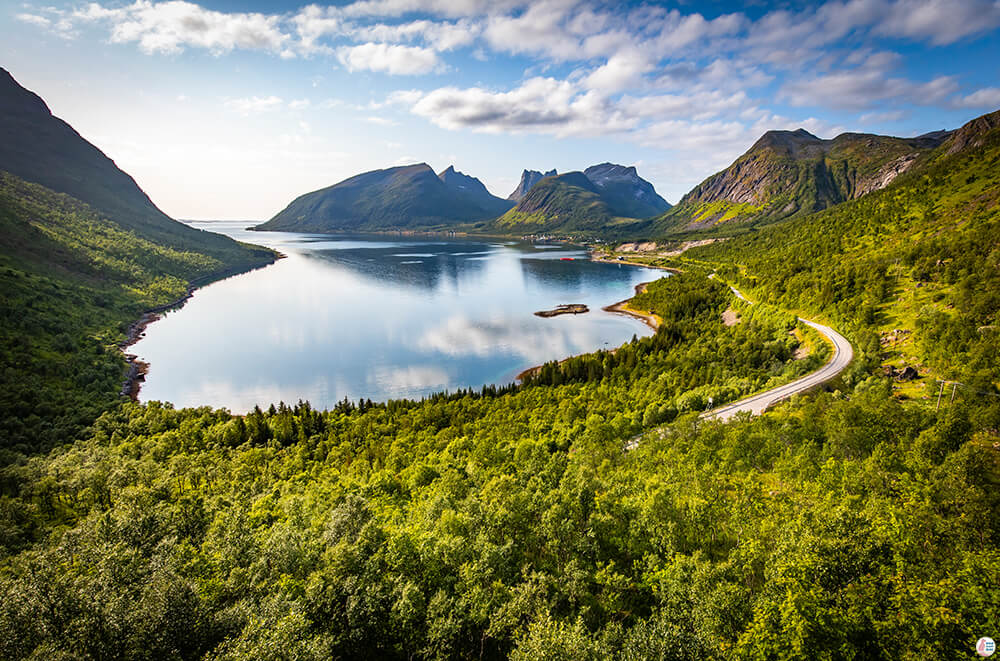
{"points": [[71, 282], [573, 203], [911, 270], [83, 253], [38, 147], [406, 197], [793, 173]]}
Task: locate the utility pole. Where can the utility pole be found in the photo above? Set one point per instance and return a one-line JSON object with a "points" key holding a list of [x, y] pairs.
{"points": [[954, 387], [940, 392]]}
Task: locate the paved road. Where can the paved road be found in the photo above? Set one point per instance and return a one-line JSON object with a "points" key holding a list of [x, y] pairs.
{"points": [[843, 353], [757, 404]]}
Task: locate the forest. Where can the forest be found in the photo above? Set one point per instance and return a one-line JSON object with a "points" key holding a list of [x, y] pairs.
{"points": [[512, 522], [587, 513]]}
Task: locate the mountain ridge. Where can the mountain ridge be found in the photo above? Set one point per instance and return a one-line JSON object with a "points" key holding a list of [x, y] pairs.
{"points": [[38, 147], [401, 197], [790, 173]]}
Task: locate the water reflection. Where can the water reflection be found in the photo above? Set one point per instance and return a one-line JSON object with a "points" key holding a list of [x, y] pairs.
{"points": [[380, 317], [425, 270]]}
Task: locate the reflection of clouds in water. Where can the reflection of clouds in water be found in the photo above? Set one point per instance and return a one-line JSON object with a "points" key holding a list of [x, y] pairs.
{"points": [[242, 397], [458, 336], [413, 377]]}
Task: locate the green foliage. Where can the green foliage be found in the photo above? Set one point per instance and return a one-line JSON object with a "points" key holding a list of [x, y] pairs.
{"points": [[788, 174], [70, 283], [920, 255], [566, 205]]}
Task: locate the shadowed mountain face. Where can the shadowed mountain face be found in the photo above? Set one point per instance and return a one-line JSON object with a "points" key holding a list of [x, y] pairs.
{"points": [[528, 179], [625, 191], [407, 197], [565, 204], [789, 173], [40, 148], [472, 189]]}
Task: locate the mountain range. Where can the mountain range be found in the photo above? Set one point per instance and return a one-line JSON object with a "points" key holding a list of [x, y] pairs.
{"points": [[405, 197], [792, 173], [413, 197], [605, 199]]}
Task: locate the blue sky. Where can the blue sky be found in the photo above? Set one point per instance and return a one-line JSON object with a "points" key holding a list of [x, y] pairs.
{"points": [[230, 110]]}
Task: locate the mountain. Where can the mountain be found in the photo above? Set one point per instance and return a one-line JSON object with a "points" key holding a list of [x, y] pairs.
{"points": [[627, 192], [790, 173], [564, 204], [603, 199], [38, 147], [405, 197], [528, 179], [83, 254], [474, 190]]}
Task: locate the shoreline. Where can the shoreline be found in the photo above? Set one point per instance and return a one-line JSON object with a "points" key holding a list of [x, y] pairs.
{"points": [[621, 307], [136, 371]]}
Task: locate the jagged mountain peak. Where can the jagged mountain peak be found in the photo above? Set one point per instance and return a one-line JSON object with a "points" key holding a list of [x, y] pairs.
{"points": [[528, 179]]}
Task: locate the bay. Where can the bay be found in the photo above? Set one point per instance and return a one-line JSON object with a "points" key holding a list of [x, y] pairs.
{"points": [[380, 317]]}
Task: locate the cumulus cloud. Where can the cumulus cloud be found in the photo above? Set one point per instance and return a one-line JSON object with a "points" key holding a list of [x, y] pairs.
{"points": [[988, 97], [169, 27], [443, 36], [389, 58], [865, 86], [622, 71], [939, 22], [544, 105]]}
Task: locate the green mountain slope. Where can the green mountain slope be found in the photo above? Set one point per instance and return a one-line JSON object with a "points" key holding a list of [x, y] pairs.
{"points": [[912, 270], [83, 253], [792, 173], [71, 281], [407, 197], [565, 204], [41, 148]]}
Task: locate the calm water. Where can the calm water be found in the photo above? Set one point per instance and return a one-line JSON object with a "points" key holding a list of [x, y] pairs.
{"points": [[380, 318]]}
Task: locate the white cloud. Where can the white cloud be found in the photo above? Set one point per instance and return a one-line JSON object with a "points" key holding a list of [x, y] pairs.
{"points": [[387, 58], [940, 22], [34, 19], [254, 104], [624, 70], [313, 23], [988, 97], [543, 105], [866, 86], [441, 36], [169, 27], [381, 121]]}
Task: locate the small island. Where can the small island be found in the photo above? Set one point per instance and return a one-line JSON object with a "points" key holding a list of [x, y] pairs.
{"points": [[572, 308]]}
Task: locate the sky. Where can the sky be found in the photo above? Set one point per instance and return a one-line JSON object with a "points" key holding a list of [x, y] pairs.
{"points": [[225, 110]]}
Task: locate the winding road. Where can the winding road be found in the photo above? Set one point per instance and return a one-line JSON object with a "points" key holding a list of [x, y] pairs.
{"points": [[843, 353]]}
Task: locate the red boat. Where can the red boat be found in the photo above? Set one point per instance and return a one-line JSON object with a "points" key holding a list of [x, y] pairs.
{"points": [[566, 259]]}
